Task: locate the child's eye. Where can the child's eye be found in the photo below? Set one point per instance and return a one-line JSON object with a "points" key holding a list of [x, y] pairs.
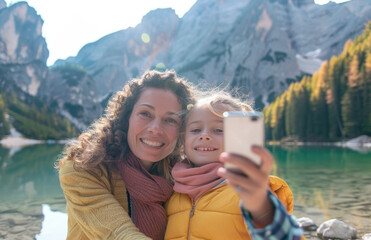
{"points": [[219, 130], [195, 130]]}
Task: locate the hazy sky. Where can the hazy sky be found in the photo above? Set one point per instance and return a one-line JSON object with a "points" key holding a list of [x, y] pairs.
{"points": [[70, 24]]}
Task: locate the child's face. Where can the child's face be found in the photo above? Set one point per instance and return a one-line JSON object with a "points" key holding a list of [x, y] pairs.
{"points": [[203, 139]]}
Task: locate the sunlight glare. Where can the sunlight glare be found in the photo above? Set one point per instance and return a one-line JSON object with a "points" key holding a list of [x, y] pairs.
{"points": [[160, 66], [145, 38]]}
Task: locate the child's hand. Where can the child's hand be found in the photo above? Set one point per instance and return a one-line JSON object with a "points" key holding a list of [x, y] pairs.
{"points": [[252, 187]]}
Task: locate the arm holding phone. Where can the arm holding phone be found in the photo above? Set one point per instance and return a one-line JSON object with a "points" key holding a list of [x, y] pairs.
{"points": [[242, 131], [263, 213], [247, 169], [252, 189]]}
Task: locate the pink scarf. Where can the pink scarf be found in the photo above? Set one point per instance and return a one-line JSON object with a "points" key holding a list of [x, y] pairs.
{"points": [[195, 181], [148, 193]]}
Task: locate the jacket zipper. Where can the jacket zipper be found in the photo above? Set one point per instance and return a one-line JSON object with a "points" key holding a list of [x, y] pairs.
{"points": [[191, 213], [192, 210]]}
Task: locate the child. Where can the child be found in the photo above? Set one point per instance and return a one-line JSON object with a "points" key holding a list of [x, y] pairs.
{"points": [[204, 206]]}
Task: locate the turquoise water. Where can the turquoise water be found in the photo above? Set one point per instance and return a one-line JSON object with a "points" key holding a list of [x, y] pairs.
{"points": [[31, 201], [327, 182]]}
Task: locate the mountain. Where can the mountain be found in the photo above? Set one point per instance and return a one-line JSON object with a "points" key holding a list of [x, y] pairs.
{"points": [[333, 104], [259, 47], [72, 92], [23, 50], [23, 55], [120, 56]]}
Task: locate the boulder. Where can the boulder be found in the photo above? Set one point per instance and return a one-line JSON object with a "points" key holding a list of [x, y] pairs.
{"points": [[307, 224], [336, 229]]}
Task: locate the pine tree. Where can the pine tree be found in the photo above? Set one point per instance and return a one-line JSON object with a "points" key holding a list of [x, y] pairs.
{"points": [[318, 104], [333, 99], [267, 123], [366, 116], [4, 125], [290, 124]]}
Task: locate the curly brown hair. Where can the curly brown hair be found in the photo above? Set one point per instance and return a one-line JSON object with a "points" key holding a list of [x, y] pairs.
{"points": [[105, 141]]}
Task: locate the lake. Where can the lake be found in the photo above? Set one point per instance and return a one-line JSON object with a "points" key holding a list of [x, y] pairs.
{"points": [[327, 182]]}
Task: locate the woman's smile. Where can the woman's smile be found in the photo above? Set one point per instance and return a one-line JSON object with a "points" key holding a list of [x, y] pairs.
{"points": [[152, 143]]}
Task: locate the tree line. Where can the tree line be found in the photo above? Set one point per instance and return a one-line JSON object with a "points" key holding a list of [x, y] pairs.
{"points": [[331, 105], [36, 122]]}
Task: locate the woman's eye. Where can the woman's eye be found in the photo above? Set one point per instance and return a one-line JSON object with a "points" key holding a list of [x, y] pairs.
{"points": [[145, 114], [172, 121]]}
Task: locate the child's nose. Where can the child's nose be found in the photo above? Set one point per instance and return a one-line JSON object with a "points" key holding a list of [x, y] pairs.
{"points": [[205, 136]]}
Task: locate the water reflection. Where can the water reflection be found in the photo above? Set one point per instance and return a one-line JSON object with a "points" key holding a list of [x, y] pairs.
{"points": [[54, 225], [28, 180], [328, 182]]}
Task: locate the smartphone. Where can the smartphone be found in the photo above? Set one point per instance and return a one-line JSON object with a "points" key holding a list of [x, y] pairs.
{"points": [[241, 131]]}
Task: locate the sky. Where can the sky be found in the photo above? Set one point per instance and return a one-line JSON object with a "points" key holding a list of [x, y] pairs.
{"points": [[71, 24]]}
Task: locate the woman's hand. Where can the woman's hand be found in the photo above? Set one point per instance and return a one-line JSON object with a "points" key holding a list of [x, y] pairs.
{"points": [[252, 187]]}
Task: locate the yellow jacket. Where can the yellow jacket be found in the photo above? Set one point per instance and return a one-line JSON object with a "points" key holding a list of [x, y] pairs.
{"points": [[97, 207], [216, 215]]}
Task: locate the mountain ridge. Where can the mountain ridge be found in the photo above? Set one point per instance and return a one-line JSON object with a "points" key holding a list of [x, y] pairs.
{"points": [[257, 47], [248, 44]]}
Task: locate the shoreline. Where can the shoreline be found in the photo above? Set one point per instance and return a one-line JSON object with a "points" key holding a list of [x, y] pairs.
{"points": [[361, 143], [14, 142], [20, 142]]}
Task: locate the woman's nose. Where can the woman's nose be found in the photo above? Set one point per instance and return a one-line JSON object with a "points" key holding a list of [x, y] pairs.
{"points": [[155, 126]]}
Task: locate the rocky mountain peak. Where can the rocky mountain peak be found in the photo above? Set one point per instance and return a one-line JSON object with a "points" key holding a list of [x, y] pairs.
{"points": [[21, 38], [257, 46], [128, 52], [23, 50], [2, 4], [160, 16], [160, 25]]}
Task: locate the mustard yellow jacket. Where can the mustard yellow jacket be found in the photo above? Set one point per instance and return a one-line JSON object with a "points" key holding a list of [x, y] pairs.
{"points": [[97, 207], [216, 215]]}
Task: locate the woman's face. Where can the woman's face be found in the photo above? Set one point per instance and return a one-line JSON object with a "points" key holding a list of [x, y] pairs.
{"points": [[154, 125]]}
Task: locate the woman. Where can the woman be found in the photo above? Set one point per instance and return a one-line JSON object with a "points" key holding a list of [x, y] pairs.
{"points": [[120, 166], [116, 176]]}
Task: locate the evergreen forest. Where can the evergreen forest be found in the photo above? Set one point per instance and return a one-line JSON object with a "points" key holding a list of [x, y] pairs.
{"points": [[34, 121], [334, 104]]}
